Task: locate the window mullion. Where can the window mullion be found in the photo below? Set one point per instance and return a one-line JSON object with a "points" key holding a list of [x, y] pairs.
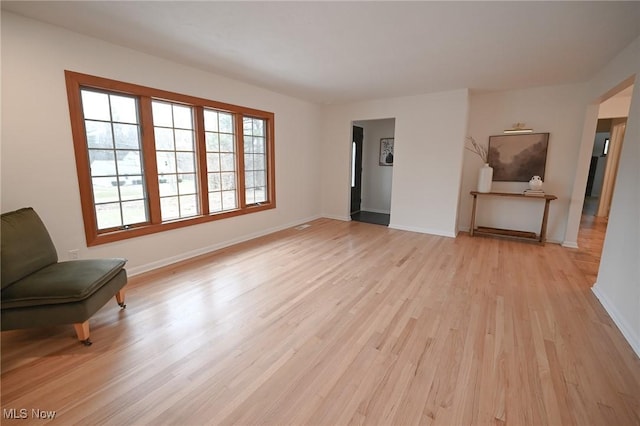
{"points": [[270, 158], [201, 158], [239, 140], [150, 163]]}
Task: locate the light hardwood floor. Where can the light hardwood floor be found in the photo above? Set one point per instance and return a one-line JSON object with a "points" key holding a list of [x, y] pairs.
{"points": [[340, 323]]}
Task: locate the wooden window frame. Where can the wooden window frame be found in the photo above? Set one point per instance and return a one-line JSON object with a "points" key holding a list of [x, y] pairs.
{"points": [[76, 81]]}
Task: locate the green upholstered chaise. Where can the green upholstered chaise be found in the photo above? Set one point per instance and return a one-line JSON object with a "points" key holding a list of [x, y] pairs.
{"points": [[37, 290]]}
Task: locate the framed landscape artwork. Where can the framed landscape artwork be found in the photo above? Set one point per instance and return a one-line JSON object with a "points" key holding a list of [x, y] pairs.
{"points": [[386, 152], [517, 158]]}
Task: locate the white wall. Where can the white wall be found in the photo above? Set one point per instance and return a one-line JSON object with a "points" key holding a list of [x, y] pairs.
{"points": [[429, 136], [557, 110], [38, 166], [618, 282], [376, 179]]}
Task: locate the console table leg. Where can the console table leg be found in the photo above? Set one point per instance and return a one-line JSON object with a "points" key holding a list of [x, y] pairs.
{"points": [[473, 215], [543, 228]]}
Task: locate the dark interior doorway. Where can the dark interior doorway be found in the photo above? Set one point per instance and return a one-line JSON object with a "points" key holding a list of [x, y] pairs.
{"points": [[356, 169]]}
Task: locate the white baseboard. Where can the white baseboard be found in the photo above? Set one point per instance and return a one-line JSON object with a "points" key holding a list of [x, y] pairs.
{"points": [[570, 244], [423, 230], [336, 217], [137, 270], [623, 326]]}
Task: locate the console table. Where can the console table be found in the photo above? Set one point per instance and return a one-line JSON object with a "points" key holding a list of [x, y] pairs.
{"points": [[511, 233]]}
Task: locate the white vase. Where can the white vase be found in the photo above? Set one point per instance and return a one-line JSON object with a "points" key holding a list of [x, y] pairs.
{"points": [[485, 176]]}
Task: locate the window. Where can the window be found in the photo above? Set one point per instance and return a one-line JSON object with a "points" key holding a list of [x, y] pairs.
{"points": [[150, 160]]}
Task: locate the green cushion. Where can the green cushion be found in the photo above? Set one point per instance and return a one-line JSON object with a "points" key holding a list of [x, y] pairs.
{"points": [[25, 245], [62, 283]]}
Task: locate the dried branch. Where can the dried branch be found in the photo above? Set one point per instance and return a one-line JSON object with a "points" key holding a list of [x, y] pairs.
{"points": [[478, 149]]}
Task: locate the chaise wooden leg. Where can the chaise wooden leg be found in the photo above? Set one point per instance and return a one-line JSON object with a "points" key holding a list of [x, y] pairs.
{"points": [[82, 330], [120, 298]]}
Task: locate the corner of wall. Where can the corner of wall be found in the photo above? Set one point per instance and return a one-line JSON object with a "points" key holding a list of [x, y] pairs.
{"points": [[618, 319]]}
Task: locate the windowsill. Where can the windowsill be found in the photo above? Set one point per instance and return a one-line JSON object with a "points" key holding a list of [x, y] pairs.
{"points": [[148, 229]]}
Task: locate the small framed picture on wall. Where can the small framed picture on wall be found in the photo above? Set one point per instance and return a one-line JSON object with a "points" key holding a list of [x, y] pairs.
{"points": [[386, 152]]}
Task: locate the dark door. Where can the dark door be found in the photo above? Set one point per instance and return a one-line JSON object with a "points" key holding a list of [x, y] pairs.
{"points": [[356, 169], [592, 174]]}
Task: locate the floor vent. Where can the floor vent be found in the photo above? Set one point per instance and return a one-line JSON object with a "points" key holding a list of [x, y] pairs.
{"points": [[301, 227]]}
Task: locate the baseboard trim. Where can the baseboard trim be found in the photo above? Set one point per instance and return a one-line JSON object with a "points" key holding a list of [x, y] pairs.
{"points": [[622, 325], [423, 230], [570, 244], [336, 217], [137, 270]]}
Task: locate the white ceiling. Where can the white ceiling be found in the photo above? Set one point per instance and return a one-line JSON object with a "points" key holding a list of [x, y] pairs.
{"points": [[334, 52]]}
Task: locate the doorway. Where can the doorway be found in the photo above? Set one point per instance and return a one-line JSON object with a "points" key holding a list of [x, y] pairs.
{"points": [[608, 141], [372, 175]]}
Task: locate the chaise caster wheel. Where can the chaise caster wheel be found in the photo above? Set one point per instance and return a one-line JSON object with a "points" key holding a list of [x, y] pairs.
{"points": [[87, 342], [123, 305]]}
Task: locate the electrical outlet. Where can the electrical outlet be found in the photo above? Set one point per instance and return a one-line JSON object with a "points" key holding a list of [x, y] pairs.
{"points": [[73, 254]]}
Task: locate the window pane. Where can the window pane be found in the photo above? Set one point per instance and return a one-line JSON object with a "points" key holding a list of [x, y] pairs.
{"points": [[102, 162], [123, 109], [166, 162], [225, 122], [228, 200], [105, 189], [227, 162], [186, 162], [258, 144], [132, 189], [182, 118], [249, 196], [168, 185], [247, 125], [258, 162], [162, 114], [108, 215], [226, 143], [184, 140], [95, 105], [98, 134], [187, 184], [134, 212], [214, 182], [248, 162], [210, 120], [215, 202], [169, 208], [126, 136], [128, 162], [212, 141], [260, 194], [188, 205], [260, 178], [164, 139], [213, 162], [228, 181], [258, 127], [249, 181]]}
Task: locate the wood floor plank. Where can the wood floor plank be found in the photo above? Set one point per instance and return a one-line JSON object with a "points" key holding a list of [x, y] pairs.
{"points": [[342, 323]]}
